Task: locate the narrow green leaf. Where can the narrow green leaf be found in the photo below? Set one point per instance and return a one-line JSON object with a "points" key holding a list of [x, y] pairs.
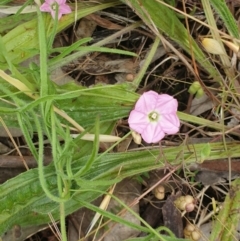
{"points": [[225, 225], [95, 149], [22, 41], [167, 22], [205, 153], [23, 195], [12, 21], [222, 9]]}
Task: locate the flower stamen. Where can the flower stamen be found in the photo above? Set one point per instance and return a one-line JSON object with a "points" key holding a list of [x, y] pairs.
{"points": [[54, 7], [153, 116]]}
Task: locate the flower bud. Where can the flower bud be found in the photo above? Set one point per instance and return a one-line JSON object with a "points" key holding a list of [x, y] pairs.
{"points": [[200, 93], [188, 199], [159, 192], [136, 137], [129, 77], [185, 203], [197, 89], [232, 46], [180, 203], [194, 87], [212, 46], [196, 235], [191, 232], [189, 207]]}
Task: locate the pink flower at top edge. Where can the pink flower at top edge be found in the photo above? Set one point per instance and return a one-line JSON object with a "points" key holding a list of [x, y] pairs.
{"points": [[51, 7], [154, 116]]}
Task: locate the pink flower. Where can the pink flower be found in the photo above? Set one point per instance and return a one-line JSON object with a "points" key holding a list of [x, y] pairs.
{"points": [[51, 7], [154, 116]]}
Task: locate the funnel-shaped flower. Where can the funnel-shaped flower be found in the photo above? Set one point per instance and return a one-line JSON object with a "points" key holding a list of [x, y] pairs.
{"points": [[52, 5], [154, 116]]}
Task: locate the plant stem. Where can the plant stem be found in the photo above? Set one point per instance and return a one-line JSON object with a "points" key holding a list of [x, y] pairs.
{"points": [[63, 222]]}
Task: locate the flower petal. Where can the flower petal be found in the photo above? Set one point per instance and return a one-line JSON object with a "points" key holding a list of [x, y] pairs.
{"points": [[50, 2], [137, 121], [65, 9], [166, 104], [45, 7], [153, 133], [51, 11], [60, 2], [59, 15], [147, 102], [170, 124]]}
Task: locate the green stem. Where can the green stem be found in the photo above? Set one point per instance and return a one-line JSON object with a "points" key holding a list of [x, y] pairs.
{"points": [[146, 64], [54, 29], [42, 178], [63, 222]]}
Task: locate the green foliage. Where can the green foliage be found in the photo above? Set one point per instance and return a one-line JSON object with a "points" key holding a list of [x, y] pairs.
{"points": [[78, 170], [227, 221], [109, 102], [167, 22], [205, 153], [23, 198], [22, 42], [13, 21], [227, 17]]}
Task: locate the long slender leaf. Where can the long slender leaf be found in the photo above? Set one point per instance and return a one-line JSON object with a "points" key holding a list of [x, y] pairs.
{"points": [[224, 12], [22, 42], [225, 225], [22, 198], [167, 22]]}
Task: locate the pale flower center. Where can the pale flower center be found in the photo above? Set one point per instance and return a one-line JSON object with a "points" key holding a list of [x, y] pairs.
{"points": [[54, 6], [153, 116]]}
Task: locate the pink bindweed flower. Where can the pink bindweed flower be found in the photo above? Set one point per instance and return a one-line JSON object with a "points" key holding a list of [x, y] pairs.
{"points": [[51, 7], [154, 116]]}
